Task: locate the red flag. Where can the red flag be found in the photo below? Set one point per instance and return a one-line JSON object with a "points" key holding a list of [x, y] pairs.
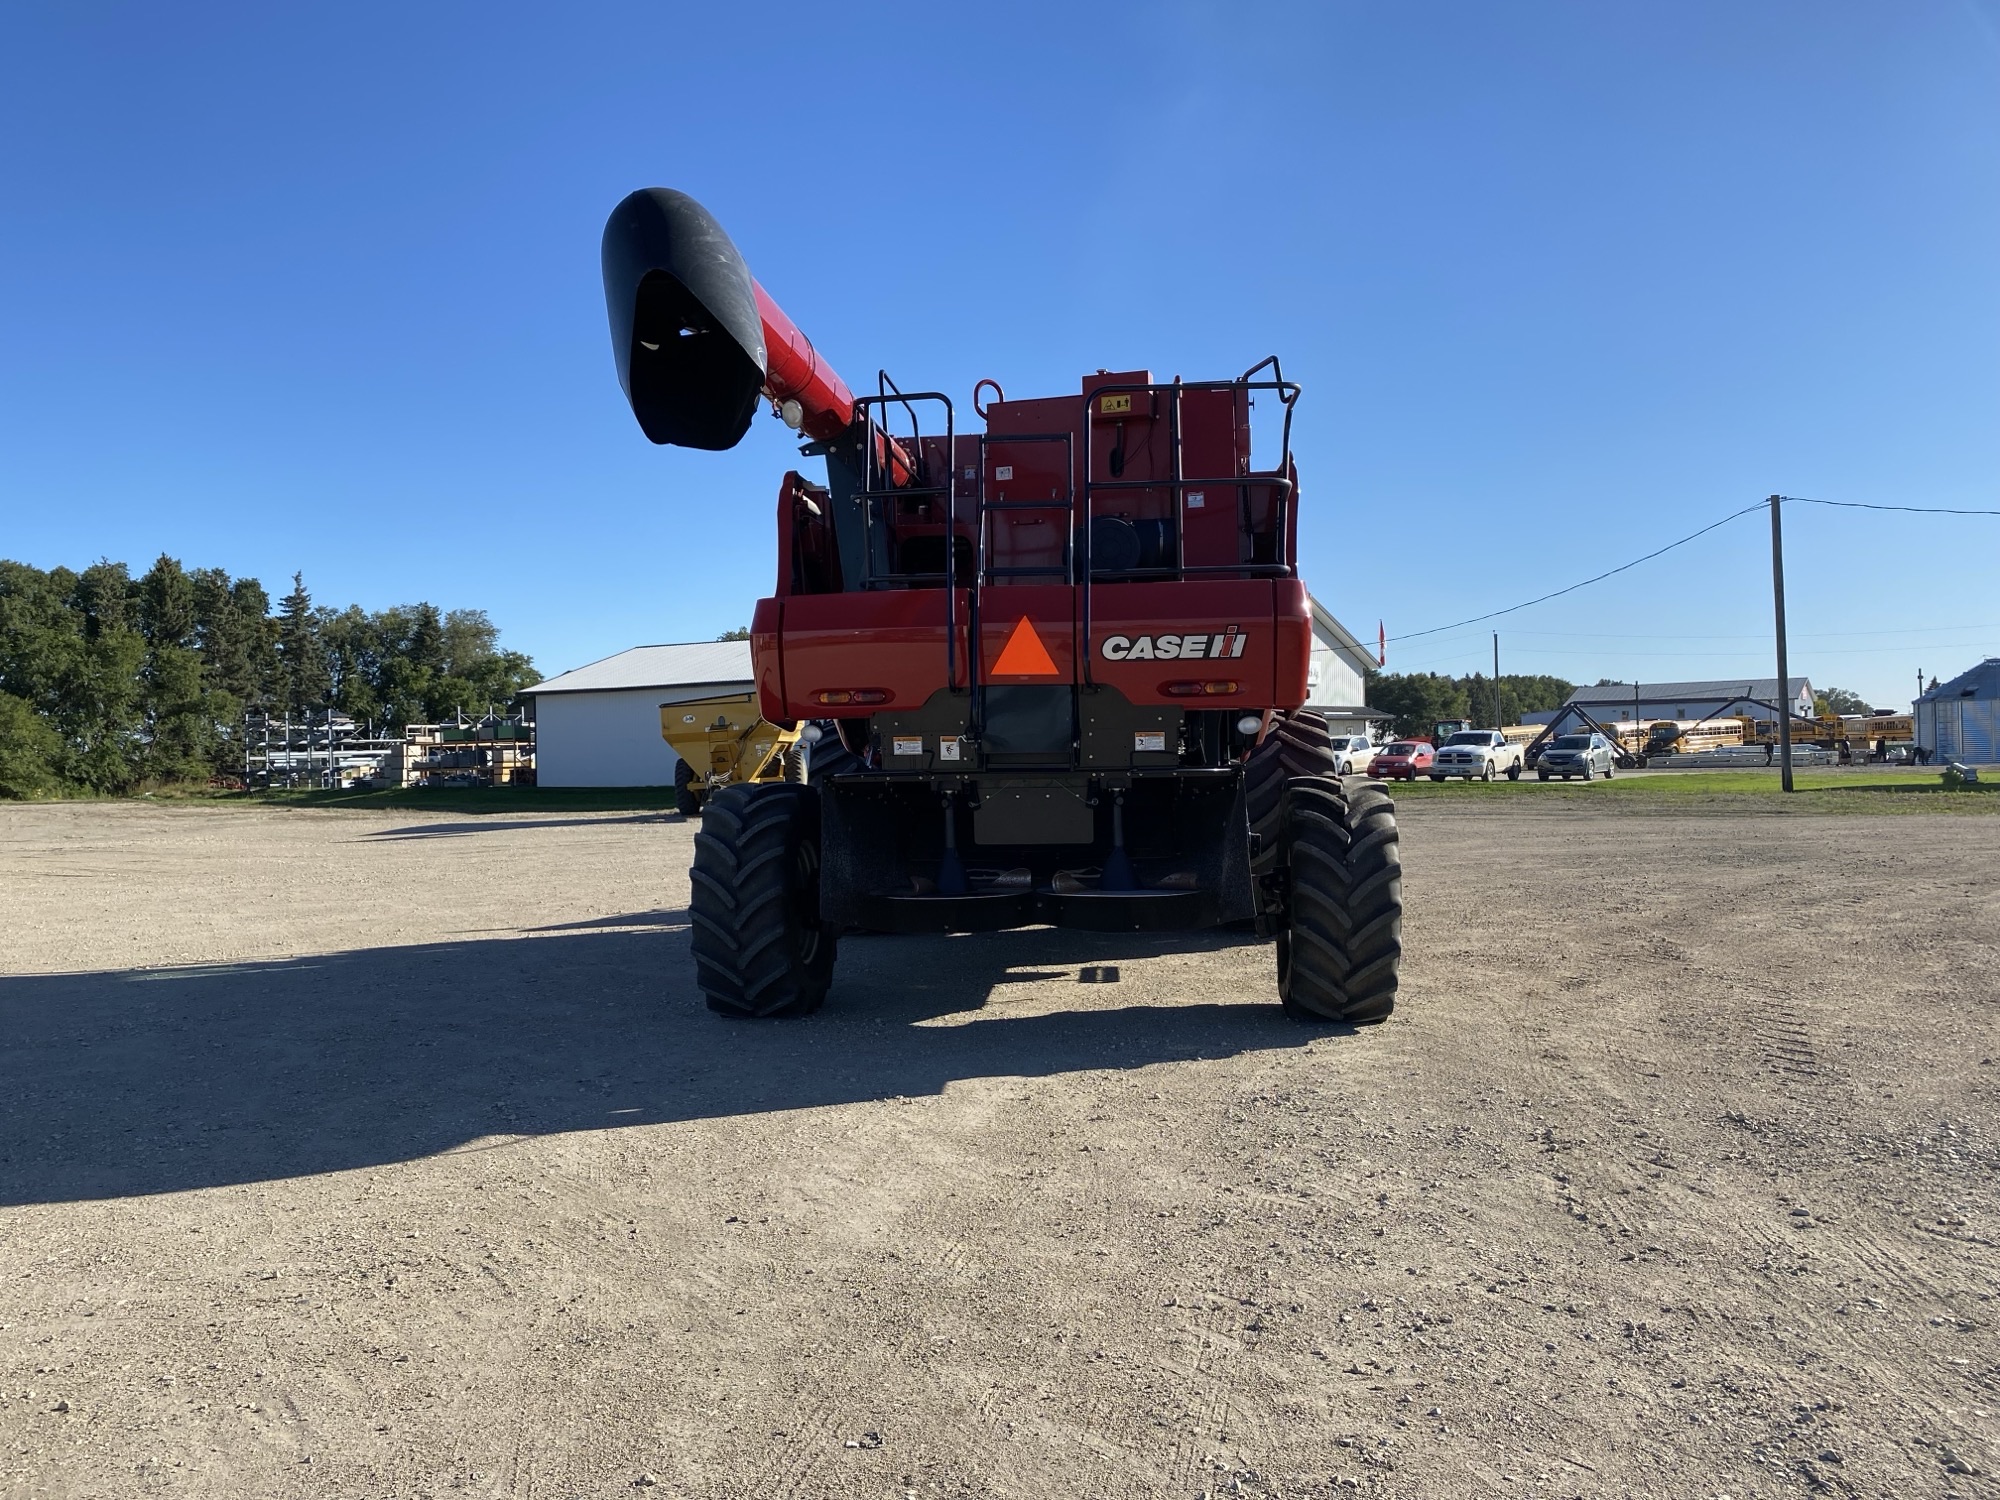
{"points": [[1381, 645]]}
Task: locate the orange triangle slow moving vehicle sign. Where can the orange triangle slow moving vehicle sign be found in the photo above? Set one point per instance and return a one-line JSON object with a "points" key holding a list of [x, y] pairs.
{"points": [[1024, 655]]}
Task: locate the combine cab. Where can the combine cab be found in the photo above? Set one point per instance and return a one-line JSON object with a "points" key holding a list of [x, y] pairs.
{"points": [[1065, 656]]}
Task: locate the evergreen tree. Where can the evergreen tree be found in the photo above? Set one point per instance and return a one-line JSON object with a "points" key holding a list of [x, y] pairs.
{"points": [[303, 680], [182, 730], [167, 604]]}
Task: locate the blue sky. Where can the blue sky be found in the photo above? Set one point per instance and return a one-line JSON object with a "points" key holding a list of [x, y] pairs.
{"points": [[287, 288]]}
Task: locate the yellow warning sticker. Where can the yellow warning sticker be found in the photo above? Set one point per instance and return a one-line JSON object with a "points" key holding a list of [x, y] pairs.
{"points": [[1112, 406]]}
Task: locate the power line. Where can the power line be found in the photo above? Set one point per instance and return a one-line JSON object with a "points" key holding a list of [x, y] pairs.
{"points": [[1925, 510], [1622, 567], [1921, 510], [1797, 635]]}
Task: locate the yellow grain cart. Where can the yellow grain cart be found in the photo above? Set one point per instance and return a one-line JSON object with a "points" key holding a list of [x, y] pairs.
{"points": [[724, 741]]}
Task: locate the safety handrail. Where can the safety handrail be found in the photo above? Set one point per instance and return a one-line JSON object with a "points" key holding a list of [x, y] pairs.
{"points": [[948, 491], [1178, 485]]}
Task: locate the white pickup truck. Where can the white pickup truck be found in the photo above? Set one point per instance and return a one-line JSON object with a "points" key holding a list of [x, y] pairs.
{"points": [[1477, 754]]}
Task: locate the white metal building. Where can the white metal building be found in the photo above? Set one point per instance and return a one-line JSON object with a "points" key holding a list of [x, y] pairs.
{"points": [[1337, 679], [600, 725]]}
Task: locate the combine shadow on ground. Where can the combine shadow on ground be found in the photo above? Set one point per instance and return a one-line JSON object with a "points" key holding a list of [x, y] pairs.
{"points": [[152, 1081], [490, 824]]}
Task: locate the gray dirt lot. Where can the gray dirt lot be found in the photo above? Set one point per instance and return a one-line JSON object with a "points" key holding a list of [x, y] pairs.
{"points": [[371, 1154]]}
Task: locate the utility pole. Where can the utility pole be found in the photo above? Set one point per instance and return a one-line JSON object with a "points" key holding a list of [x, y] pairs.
{"points": [[1784, 693], [1499, 716]]}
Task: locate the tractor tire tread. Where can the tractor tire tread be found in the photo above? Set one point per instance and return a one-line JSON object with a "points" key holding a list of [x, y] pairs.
{"points": [[750, 958], [1340, 955], [687, 801], [1298, 745]]}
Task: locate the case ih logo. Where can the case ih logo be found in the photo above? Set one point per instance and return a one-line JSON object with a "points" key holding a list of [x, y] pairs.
{"points": [[1225, 646]]}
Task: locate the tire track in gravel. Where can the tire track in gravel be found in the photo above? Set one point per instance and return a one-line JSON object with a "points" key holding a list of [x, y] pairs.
{"points": [[810, 1436], [1784, 1043], [1209, 1383]]}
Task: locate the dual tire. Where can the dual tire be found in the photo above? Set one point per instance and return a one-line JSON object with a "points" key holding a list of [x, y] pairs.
{"points": [[1341, 946], [1298, 745]]}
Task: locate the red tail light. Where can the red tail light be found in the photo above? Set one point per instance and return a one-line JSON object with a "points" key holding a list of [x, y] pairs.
{"points": [[1210, 689]]}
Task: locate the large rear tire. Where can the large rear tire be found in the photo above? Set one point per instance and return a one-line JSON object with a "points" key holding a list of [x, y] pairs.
{"points": [[760, 948], [1342, 946], [1298, 745], [687, 801]]}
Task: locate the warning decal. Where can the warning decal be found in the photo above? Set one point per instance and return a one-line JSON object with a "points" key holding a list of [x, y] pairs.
{"points": [[1024, 655]]}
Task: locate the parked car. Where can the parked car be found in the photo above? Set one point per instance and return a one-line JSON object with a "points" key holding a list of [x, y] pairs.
{"points": [[1401, 760], [1585, 755], [1353, 754], [1477, 754]]}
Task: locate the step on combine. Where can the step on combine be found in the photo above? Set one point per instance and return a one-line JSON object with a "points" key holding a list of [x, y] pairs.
{"points": [[1064, 656]]}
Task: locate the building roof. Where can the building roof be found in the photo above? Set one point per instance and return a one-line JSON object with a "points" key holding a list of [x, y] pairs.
{"points": [[693, 664], [1982, 681], [1765, 688]]}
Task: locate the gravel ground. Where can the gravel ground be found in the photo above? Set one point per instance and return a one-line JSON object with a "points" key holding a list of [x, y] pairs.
{"points": [[373, 1154]]}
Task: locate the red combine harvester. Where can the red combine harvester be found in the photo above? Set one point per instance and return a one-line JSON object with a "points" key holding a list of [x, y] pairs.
{"points": [[1065, 658]]}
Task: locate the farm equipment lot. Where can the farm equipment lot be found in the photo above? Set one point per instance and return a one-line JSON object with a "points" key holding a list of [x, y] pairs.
{"points": [[388, 1152]]}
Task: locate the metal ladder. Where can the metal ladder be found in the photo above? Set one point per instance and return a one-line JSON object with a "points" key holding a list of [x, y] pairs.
{"points": [[983, 509]]}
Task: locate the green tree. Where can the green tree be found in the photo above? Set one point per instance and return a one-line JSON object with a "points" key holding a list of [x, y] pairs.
{"points": [[1835, 700], [354, 661], [30, 751], [237, 637], [98, 708], [417, 664], [185, 722], [167, 604], [303, 680], [1414, 701], [740, 633], [1418, 701], [106, 681], [103, 595]]}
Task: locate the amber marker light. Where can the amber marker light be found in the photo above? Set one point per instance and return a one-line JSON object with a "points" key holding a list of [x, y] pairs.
{"points": [[833, 697], [1211, 689]]}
